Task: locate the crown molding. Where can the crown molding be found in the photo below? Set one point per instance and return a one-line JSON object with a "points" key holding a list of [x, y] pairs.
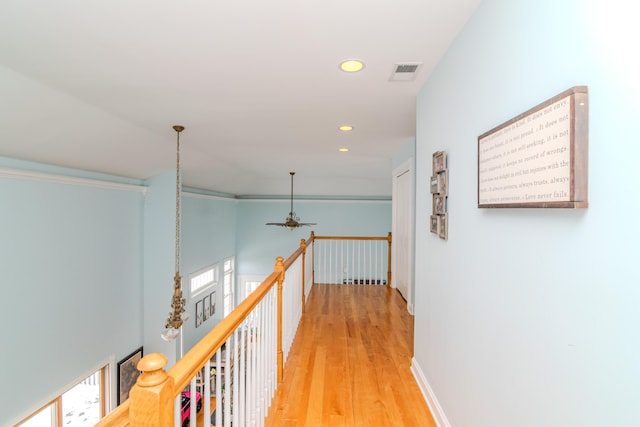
{"points": [[69, 180]]}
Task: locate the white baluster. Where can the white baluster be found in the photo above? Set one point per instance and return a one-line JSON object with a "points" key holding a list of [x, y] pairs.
{"points": [[219, 387], [242, 402], [206, 381]]}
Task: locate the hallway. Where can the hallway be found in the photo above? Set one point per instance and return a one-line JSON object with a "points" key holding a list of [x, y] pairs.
{"points": [[350, 363]]}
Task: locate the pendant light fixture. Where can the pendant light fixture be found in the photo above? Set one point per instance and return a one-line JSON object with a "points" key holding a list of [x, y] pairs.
{"points": [[176, 318]]}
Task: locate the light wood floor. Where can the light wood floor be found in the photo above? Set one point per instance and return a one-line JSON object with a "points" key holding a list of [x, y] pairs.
{"points": [[349, 364]]}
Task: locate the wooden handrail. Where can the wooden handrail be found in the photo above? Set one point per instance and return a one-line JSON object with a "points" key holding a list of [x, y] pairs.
{"points": [[187, 367], [352, 237], [297, 253], [119, 417]]}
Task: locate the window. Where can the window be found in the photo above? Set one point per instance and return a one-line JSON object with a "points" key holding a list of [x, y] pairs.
{"points": [[82, 405], [203, 280], [250, 286], [44, 417], [228, 285]]}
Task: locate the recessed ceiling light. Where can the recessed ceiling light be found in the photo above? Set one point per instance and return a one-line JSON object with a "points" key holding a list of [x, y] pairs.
{"points": [[351, 65], [343, 149], [345, 128]]}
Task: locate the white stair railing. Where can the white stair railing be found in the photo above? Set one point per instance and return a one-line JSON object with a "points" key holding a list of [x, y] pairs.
{"points": [[352, 260]]}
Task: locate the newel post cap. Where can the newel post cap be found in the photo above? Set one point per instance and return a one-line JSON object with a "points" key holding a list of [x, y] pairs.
{"points": [[152, 367]]}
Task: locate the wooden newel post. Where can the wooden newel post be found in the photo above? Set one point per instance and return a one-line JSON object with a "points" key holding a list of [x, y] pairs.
{"points": [[279, 267], [303, 245], [152, 396], [389, 261]]}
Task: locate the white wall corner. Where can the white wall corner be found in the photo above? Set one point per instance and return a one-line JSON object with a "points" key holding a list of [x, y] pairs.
{"points": [[436, 410]]}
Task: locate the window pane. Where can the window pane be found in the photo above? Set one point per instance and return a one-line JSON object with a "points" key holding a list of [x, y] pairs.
{"points": [[44, 418], [81, 404], [203, 279]]}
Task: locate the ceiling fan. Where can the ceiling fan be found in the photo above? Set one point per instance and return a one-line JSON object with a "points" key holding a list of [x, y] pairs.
{"points": [[292, 220]]}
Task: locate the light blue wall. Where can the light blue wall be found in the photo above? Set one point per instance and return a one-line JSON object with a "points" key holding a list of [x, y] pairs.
{"points": [[71, 267], [529, 317], [159, 262], [208, 237], [406, 152], [259, 245]]}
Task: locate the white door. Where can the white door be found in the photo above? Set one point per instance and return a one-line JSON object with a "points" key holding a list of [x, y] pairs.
{"points": [[402, 230]]}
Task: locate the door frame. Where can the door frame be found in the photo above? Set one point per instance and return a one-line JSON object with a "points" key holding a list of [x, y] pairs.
{"points": [[406, 167]]}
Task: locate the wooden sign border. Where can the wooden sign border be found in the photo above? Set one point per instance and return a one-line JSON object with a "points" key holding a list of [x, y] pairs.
{"points": [[578, 146]]}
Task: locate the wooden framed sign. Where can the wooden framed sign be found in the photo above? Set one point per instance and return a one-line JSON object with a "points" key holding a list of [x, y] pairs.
{"points": [[538, 159]]}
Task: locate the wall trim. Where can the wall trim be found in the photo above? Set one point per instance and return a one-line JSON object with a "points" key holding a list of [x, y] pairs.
{"points": [[309, 199], [69, 180], [192, 195], [432, 401]]}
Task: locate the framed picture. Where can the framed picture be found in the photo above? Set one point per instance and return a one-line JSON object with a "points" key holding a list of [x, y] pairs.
{"points": [[199, 313], [206, 310], [128, 374], [442, 183], [434, 224], [443, 226], [212, 307], [434, 184], [439, 161], [439, 204]]}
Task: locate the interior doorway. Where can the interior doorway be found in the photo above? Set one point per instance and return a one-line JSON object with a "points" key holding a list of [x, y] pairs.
{"points": [[402, 228]]}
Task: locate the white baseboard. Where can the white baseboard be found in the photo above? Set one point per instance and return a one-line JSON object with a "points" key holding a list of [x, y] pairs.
{"points": [[436, 410]]}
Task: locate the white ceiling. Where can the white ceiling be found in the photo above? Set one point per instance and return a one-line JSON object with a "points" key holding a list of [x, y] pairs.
{"points": [[97, 85]]}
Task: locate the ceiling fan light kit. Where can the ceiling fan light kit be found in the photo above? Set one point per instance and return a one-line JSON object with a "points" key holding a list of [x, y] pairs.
{"points": [[292, 221]]}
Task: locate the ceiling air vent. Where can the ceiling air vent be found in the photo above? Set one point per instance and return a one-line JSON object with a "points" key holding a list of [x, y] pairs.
{"points": [[405, 72]]}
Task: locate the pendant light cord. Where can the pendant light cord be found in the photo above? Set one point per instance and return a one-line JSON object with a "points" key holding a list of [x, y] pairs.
{"points": [[178, 204], [292, 173]]}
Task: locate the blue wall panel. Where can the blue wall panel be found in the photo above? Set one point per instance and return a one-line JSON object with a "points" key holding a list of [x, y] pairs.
{"points": [[528, 317]]}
